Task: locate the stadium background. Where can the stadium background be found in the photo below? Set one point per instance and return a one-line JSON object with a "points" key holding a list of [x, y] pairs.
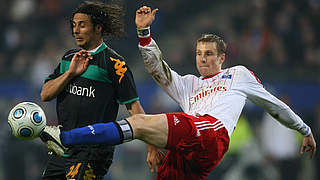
{"points": [[278, 40]]}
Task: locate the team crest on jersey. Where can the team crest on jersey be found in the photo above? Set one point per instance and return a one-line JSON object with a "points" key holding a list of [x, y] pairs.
{"points": [[120, 69], [226, 76]]}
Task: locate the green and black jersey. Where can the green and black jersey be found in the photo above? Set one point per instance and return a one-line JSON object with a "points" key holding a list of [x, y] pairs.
{"points": [[95, 95]]}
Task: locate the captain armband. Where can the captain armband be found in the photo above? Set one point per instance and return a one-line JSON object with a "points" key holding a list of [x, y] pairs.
{"points": [[143, 32]]}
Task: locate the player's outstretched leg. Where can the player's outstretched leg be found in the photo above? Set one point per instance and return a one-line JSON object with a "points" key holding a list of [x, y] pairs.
{"points": [[112, 133], [153, 129]]}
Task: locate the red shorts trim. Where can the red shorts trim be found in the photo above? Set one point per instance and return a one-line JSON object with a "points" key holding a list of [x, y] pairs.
{"points": [[196, 146]]}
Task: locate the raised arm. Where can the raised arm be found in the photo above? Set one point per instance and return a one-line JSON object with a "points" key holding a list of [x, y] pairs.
{"points": [[145, 17], [155, 65], [170, 81], [152, 56]]}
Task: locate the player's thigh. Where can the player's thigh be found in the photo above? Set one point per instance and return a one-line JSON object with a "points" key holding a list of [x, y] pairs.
{"points": [[152, 129], [93, 170]]}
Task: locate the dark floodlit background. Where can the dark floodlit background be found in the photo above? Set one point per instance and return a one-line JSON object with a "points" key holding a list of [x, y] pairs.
{"points": [[278, 40]]}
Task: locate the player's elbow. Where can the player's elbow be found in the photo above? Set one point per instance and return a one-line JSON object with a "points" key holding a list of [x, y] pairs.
{"points": [[47, 92], [44, 96]]}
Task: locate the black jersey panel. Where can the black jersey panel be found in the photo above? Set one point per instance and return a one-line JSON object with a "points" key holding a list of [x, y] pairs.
{"points": [[126, 90], [123, 81], [84, 102]]}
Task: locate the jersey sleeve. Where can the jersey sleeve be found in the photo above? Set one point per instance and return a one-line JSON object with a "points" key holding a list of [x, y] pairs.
{"points": [[251, 86], [57, 71], [170, 81], [54, 74], [123, 81]]}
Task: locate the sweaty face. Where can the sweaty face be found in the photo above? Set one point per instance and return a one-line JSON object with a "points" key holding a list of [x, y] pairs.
{"points": [[207, 59], [86, 36]]}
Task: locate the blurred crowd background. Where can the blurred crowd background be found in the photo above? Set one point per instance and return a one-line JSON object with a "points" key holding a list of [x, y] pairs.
{"points": [[278, 40]]}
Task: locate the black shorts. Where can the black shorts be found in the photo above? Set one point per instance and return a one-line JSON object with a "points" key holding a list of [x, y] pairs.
{"points": [[55, 168], [95, 170], [78, 167]]}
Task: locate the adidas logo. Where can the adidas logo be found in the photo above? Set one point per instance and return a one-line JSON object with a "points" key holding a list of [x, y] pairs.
{"points": [[175, 120], [198, 133]]}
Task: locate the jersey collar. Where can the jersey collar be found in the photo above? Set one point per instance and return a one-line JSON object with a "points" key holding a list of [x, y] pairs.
{"points": [[98, 49], [208, 77]]}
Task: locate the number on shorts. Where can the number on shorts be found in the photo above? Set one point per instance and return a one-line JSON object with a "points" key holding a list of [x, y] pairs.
{"points": [[89, 175], [73, 171]]}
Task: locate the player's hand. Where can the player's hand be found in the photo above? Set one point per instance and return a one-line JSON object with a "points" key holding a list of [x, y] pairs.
{"points": [[145, 17], [79, 63], [154, 158], [308, 144]]}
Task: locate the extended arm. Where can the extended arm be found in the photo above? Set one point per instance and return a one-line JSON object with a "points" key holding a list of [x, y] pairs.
{"points": [[251, 86]]}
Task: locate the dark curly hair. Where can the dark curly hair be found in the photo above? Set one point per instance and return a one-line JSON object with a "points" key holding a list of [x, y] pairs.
{"points": [[110, 16]]}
